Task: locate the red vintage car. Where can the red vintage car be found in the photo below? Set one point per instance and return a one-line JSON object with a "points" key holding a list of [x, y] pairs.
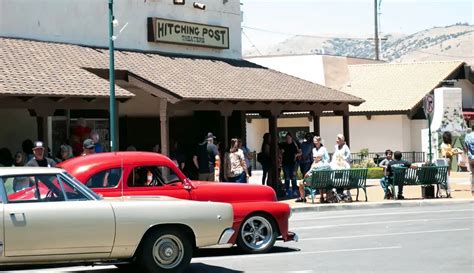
{"points": [[258, 217]]}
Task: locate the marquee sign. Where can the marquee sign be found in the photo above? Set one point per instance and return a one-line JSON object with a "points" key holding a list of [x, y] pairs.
{"points": [[186, 33]]}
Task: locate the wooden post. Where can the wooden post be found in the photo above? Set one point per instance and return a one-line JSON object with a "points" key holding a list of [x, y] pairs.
{"points": [[345, 126], [226, 113], [164, 126], [316, 124], [273, 174]]}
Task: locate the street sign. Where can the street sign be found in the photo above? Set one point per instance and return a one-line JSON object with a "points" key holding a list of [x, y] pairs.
{"points": [[428, 105]]}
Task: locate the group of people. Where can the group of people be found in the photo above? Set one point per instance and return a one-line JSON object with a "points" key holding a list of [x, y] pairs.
{"points": [[308, 156], [293, 153], [465, 159], [36, 154], [236, 161]]}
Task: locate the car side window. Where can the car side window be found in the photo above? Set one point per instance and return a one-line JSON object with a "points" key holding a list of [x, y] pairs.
{"points": [[167, 175], [105, 179], [33, 188], [143, 176], [71, 192]]}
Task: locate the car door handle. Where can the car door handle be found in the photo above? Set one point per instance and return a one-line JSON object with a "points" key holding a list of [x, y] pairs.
{"points": [[17, 214]]}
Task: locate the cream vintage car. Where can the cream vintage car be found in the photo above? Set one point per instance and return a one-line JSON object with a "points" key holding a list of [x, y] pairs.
{"points": [[48, 217]]}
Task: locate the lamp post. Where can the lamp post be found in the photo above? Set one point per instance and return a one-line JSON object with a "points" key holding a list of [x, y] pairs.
{"points": [[113, 139]]}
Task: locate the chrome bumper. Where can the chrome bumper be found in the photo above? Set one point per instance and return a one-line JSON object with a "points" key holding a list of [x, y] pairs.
{"points": [[226, 235]]}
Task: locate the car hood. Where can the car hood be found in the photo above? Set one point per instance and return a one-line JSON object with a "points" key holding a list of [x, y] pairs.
{"points": [[231, 192]]}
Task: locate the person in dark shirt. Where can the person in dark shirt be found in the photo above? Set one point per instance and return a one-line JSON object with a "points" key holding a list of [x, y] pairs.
{"points": [[306, 158], [290, 153], [39, 160], [398, 162], [205, 157]]}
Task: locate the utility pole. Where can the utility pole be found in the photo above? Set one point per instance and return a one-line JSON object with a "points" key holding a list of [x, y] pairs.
{"points": [[112, 114], [376, 24]]}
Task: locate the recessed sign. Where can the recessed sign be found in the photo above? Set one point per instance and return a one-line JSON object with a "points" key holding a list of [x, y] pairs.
{"points": [[186, 33]]}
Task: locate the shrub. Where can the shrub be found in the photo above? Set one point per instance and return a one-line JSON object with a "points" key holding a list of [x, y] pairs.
{"points": [[366, 163], [375, 173], [364, 153]]}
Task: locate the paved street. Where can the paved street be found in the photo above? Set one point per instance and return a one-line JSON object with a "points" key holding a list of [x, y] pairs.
{"points": [[427, 239]]}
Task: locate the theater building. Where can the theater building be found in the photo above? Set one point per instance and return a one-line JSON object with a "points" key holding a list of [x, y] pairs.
{"points": [[179, 74]]}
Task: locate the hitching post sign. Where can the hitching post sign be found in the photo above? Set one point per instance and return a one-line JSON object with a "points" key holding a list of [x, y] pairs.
{"points": [[186, 33]]}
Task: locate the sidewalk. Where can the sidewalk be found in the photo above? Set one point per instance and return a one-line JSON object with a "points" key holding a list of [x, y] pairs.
{"points": [[460, 184]]}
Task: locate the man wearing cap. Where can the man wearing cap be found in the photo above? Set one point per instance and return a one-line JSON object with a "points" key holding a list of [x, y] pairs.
{"points": [[205, 157], [88, 147], [39, 160]]}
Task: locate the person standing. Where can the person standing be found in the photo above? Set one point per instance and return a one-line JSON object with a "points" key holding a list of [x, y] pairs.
{"points": [[290, 152], [27, 148], [20, 159], [306, 150], [39, 159], [177, 156], [264, 157], [96, 138], [88, 147], [235, 166], [205, 157], [247, 157], [469, 142], [65, 153], [447, 152]]}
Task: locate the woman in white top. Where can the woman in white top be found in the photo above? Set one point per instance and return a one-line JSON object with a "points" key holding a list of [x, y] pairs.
{"points": [[320, 150], [235, 168], [342, 149], [340, 160]]}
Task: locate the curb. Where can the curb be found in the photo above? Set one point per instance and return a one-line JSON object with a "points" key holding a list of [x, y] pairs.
{"points": [[378, 205]]}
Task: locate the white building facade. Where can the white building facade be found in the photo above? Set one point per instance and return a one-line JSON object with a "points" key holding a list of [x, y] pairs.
{"points": [[85, 22], [382, 122]]}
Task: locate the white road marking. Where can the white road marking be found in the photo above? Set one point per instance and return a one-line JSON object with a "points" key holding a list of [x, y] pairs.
{"points": [[380, 214], [259, 256], [379, 223], [386, 234]]}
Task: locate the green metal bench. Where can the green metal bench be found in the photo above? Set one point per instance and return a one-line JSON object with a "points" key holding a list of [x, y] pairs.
{"points": [[328, 179], [421, 176]]}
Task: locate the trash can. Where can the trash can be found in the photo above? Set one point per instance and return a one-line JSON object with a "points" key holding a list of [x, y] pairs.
{"points": [[428, 191]]}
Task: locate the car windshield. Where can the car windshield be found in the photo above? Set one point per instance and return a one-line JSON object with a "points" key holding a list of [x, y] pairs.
{"points": [[81, 186]]}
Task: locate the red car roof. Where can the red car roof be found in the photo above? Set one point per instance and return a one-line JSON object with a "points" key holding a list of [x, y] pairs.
{"points": [[110, 159]]}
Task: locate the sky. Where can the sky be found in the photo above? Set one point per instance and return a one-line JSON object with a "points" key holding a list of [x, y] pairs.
{"points": [[354, 18]]}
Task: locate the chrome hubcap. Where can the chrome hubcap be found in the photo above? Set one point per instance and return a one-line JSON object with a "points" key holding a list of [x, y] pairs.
{"points": [[256, 232], [168, 251]]}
